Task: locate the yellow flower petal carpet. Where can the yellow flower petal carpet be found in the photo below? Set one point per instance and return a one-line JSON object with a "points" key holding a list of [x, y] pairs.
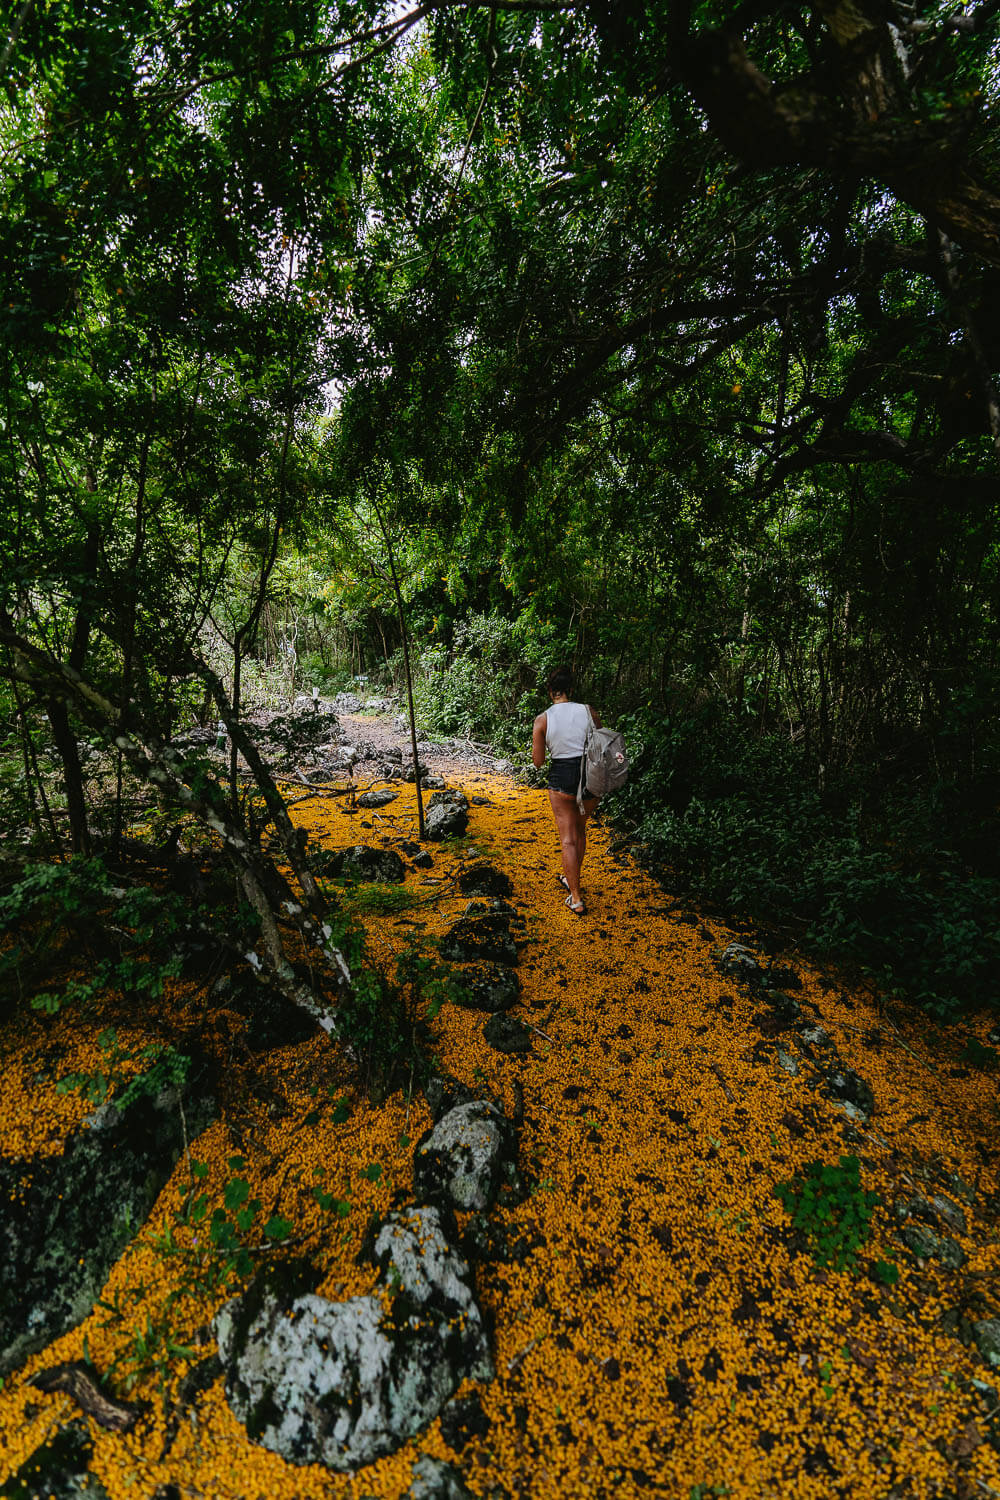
{"points": [[658, 1327]]}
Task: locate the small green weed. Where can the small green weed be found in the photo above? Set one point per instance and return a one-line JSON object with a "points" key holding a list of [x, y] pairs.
{"points": [[828, 1205], [377, 899], [885, 1271]]}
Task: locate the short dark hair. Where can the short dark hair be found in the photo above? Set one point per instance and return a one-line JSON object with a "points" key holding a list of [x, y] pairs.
{"points": [[560, 681]]}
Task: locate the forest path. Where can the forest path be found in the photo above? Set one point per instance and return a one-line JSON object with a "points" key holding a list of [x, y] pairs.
{"points": [[658, 1330], [664, 1332]]}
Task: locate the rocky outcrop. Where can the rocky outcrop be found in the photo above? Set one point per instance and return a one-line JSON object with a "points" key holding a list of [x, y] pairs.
{"points": [[345, 1383], [67, 1218], [847, 1090]]}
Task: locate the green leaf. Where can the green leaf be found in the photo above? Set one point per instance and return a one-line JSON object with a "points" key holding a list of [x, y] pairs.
{"points": [[236, 1191], [277, 1228]]}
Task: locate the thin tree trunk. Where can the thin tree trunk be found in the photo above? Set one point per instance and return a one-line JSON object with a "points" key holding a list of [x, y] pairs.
{"points": [[404, 636]]}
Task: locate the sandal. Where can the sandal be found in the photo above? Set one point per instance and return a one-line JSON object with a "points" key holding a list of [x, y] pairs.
{"points": [[563, 882], [578, 911]]}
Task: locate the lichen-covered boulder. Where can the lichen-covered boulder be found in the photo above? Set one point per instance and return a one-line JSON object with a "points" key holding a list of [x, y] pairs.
{"points": [[67, 1218], [461, 1161], [344, 1383], [489, 987], [487, 937]]}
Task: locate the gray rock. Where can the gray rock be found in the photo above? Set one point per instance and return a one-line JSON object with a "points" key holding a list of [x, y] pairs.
{"points": [[788, 1062], [927, 1245], [401, 722], [423, 860], [936, 1210], [485, 880], [306, 703], [738, 962], [450, 797], [58, 1469], [67, 1218], [853, 1113], [987, 1336], [347, 703], [433, 1479], [344, 1383], [474, 938], [503, 767], [446, 820], [460, 1162], [380, 797], [365, 863], [815, 1036], [489, 987], [432, 783], [496, 908], [854, 1095], [949, 1212], [505, 1034]]}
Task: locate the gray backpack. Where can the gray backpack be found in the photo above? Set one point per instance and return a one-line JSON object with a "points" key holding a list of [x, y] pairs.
{"points": [[604, 764]]}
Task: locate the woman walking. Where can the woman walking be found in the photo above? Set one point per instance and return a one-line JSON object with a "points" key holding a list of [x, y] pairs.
{"points": [[560, 732]]}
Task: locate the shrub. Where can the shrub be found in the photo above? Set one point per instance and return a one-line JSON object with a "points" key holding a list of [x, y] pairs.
{"points": [[741, 822]]}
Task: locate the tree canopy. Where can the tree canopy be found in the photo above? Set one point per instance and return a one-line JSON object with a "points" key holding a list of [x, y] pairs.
{"points": [[665, 334]]}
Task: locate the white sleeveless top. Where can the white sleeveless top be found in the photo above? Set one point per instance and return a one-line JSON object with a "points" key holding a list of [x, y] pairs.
{"points": [[565, 729]]}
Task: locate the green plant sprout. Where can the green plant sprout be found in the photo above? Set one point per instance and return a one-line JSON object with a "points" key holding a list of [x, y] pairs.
{"points": [[830, 1208]]}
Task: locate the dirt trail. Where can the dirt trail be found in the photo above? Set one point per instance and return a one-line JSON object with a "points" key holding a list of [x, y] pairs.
{"points": [[658, 1330]]}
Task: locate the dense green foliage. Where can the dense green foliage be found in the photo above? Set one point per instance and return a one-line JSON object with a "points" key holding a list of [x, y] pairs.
{"points": [[656, 338]]}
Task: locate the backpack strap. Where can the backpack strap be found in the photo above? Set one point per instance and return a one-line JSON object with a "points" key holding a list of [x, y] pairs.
{"points": [[591, 726]]}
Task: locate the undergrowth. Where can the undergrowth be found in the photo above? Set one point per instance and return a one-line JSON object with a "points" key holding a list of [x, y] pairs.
{"points": [[898, 882]]}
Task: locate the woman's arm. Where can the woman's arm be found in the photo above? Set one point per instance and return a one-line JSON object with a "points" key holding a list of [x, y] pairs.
{"points": [[538, 741]]}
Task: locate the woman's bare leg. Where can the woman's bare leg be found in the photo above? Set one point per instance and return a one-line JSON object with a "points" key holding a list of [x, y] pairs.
{"points": [[566, 816], [572, 829]]}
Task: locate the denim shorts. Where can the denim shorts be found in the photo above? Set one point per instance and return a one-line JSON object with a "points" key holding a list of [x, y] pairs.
{"points": [[564, 775]]}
